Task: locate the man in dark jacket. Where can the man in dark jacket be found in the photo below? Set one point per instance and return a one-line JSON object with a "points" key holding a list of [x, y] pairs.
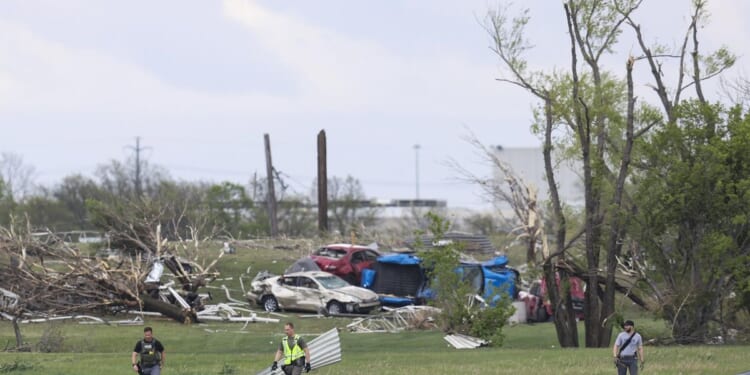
{"points": [[151, 353]]}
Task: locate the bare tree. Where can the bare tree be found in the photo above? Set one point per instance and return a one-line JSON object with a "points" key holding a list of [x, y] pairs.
{"points": [[17, 176], [737, 91]]}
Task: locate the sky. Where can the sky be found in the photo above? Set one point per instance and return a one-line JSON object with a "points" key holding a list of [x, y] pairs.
{"points": [[201, 82]]}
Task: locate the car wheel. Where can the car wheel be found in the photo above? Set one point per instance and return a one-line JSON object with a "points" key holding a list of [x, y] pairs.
{"points": [[270, 304], [334, 308]]}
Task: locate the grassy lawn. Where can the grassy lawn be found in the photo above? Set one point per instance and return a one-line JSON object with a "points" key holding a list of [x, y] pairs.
{"points": [[228, 348]]}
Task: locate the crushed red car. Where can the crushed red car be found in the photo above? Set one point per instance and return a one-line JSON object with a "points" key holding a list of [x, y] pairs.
{"points": [[538, 306], [345, 260]]}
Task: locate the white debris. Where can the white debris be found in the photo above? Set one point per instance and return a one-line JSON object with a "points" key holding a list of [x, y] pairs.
{"points": [[459, 341], [396, 320]]}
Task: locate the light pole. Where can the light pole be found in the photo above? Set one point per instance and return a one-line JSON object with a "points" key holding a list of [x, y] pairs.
{"points": [[416, 166]]}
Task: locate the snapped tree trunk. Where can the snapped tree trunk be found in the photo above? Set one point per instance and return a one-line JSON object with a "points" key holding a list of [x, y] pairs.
{"points": [[559, 295], [167, 309], [17, 331]]}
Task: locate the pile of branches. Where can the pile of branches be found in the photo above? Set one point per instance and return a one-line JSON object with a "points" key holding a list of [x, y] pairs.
{"points": [[52, 277]]}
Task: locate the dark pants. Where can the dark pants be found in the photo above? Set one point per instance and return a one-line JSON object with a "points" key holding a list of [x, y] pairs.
{"points": [[292, 369], [628, 363]]}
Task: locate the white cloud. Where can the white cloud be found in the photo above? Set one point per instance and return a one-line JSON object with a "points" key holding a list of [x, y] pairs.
{"points": [[342, 73], [332, 73], [48, 76]]}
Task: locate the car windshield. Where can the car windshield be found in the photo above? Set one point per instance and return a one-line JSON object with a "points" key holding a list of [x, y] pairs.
{"points": [[331, 253], [332, 282]]}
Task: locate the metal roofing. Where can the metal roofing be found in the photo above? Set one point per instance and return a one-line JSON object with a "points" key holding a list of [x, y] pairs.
{"points": [[324, 350], [459, 341], [469, 242]]}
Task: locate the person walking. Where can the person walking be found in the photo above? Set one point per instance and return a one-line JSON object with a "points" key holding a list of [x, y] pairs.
{"points": [[294, 351], [628, 349], [151, 352]]}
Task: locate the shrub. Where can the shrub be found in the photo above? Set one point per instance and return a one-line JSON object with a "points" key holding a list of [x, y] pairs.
{"points": [[454, 296]]}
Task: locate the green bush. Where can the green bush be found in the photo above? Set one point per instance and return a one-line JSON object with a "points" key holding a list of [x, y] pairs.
{"points": [[454, 296]]}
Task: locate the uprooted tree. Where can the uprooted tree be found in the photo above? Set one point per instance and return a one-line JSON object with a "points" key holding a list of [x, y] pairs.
{"points": [[51, 277], [588, 113], [521, 197]]}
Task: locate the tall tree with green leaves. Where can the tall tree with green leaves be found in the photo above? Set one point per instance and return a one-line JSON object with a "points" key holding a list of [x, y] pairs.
{"points": [[230, 208], [694, 226], [72, 192], [588, 112]]}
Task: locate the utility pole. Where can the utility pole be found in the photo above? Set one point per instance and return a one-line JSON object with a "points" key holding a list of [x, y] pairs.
{"points": [[137, 178], [322, 184], [271, 199], [416, 167]]}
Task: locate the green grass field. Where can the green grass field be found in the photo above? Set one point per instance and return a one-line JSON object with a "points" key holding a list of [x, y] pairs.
{"points": [[224, 348], [227, 348]]}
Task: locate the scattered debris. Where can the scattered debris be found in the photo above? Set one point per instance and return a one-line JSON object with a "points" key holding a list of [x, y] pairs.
{"points": [[460, 341], [325, 350], [396, 320], [46, 274], [227, 313], [83, 319]]}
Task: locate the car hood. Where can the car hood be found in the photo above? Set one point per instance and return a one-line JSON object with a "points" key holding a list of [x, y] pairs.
{"points": [[361, 293]]}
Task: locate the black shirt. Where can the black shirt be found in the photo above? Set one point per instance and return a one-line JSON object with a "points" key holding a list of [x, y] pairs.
{"points": [[157, 345]]}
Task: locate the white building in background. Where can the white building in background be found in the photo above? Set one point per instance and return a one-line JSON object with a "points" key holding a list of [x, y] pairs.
{"points": [[528, 163]]}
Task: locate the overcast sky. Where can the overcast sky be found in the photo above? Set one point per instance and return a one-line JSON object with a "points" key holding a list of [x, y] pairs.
{"points": [[201, 82]]}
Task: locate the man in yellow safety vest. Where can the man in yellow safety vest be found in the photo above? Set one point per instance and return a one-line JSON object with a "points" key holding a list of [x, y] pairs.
{"points": [[294, 351]]}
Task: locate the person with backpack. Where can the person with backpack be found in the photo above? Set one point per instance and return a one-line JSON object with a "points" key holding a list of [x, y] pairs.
{"points": [[628, 349], [151, 353]]}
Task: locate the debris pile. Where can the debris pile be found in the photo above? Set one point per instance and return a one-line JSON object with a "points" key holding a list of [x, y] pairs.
{"points": [[396, 320], [44, 276]]}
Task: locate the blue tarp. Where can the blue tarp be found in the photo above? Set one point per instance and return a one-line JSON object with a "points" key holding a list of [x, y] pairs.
{"points": [[499, 261], [403, 259], [400, 279], [498, 279]]}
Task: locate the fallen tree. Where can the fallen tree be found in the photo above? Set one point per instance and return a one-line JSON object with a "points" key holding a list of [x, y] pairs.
{"points": [[51, 277]]}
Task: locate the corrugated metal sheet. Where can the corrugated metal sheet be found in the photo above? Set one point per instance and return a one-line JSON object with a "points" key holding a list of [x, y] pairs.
{"points": [[471, 243], [324, 350], [459, 341]]}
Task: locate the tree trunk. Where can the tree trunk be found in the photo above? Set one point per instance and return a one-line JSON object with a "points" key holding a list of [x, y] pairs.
{"points": [[17, 331], [564, 317], [167, 309]]}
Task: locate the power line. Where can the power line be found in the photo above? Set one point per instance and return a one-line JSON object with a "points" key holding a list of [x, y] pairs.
{"points": [[138, 149]]}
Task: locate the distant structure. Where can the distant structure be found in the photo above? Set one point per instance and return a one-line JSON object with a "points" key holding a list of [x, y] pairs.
{"points": [[528, 163]]}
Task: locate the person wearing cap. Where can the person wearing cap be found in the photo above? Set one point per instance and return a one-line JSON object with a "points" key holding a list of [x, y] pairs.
{"points": [[628, 350]]}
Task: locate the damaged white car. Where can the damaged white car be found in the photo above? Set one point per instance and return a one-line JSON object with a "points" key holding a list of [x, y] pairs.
{"points": [[312, 291]]}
